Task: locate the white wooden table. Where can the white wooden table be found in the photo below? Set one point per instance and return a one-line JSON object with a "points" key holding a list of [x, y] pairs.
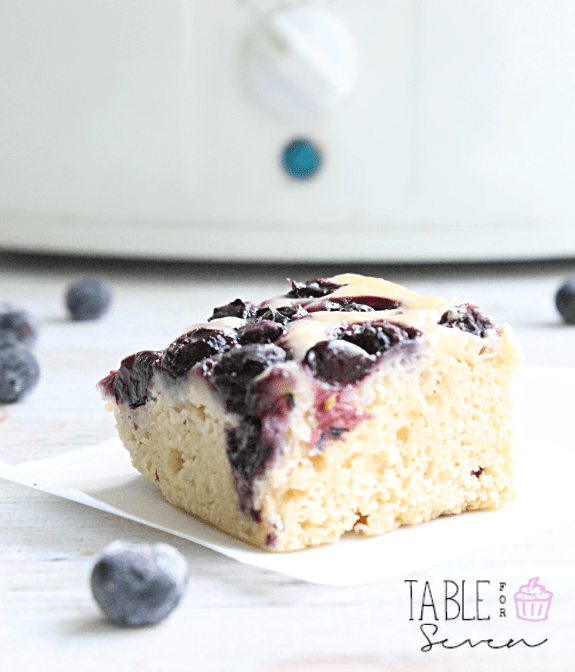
{"points": [[236, 617]]}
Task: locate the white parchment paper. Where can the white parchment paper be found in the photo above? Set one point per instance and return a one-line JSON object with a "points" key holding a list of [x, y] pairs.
{"points": [[103, 477]]}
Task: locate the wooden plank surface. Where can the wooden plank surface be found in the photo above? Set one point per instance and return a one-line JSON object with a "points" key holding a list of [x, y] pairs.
{"points": [[235, 617]]}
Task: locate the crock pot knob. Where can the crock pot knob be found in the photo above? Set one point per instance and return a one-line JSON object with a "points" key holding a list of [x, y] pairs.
{"points": [[301, 61]]}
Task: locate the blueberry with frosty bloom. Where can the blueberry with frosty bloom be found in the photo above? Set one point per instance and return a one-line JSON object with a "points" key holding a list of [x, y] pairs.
{"points": [[19, 371], [565, 301], [139, 584], [17, 325], [88, 299]]}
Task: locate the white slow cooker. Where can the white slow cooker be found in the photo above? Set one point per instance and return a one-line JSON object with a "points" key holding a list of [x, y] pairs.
{"points": [[336, 130]]}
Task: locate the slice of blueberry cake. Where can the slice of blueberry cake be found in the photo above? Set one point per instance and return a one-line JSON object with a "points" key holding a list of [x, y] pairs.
{"points": [[347, 404]]}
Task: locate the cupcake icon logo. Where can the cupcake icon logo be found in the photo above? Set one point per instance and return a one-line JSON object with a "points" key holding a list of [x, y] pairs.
{"points": [[532, 601]]}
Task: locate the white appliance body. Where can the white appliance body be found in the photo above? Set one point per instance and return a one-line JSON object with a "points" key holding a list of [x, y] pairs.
{"points": [[137, 128]]}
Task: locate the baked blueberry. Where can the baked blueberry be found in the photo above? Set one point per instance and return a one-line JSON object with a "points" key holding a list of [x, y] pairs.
{"points": [[246, 450], [139, 584], [338, 362], [19, 371], [357, 304], [378, 336], [375, 302], [565, 301], [193, 347], [312, 289], [88, 299], [281, 315], [263, 331], [469, 318], [131, 382], [268, 402], [238, 308], [17, 325], [237, 368], [339, 305], [249, 454]]}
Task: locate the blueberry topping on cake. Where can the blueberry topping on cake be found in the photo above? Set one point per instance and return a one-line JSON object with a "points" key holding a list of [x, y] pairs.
{"points": [[468, 318], [237, 368], [379, 336], [238, 308], [338, 362], [376, 302], [189, 349], [282, 315], [131, 382], [312, 288], [356, 304], [342, 306], [263, 331]]}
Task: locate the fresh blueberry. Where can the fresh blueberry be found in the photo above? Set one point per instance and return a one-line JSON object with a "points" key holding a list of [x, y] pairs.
{"points": [[338, 362], [468, 318], [565, 301], [238, 308], [88, 299], [193, 347], [313, 288], [139, 584], [19, 372], [17, 325]]}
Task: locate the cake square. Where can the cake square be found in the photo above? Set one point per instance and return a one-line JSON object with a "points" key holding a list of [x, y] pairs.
{"points": [[348, 404]]}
